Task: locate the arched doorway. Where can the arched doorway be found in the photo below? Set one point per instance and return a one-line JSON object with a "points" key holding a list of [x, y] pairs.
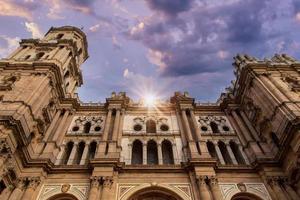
{"points": [[155, 193], [245, 196], [63, 197]]}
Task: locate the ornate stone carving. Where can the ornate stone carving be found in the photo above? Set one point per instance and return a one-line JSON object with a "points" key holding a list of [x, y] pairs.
{"points": [[33, 182], [65, 188], [107, 181], [7, 82], [95, 181], [242, 187]]}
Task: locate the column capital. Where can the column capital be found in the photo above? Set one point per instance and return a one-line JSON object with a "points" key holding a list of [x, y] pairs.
{"points": [[213, 180], [276, 180], [95, 181], [202, 179], [33, 182], [108, 181], [21, 183]]}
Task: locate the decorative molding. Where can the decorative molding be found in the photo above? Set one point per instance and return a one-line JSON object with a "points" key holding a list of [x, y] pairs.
{"points": [[228, 190], [80, 191]]}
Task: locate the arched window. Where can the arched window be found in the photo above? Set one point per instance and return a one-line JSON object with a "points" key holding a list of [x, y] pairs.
{"points": [[59, 36], [137, 153], [211, 149], [67, 152], [80, 149], [237, 153], [275, 139], [2, 186], [27, 57], [39, 55], [150, 126], [87, 127], [167, 152], [152, 156], [92, 150], [224, 152], [67, 74], [214, 127]]}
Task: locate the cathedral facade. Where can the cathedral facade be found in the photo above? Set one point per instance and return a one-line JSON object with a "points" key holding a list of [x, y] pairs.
{"points": [[52, 146]]}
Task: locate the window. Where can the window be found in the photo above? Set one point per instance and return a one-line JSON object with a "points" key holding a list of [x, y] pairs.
{"points": [[68, 152], [225, 128], [203, 128], [137, 127], [2, 186], [237, 154], [87, 127], [152, 156], [214, 127], [164, 127], [137, 153], [27, 57], [59, 36], [92, 150], [75, 128], [224, 153], [97, 128], [150, 126], [167, 152], [39, 55], [211, 149], [80, 149]]}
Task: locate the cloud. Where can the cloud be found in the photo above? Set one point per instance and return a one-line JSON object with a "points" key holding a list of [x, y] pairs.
{"points": [[205, 37], [9, 45], [94, 28], [170, 7], [33, 29], [116, 43], [18, 9]]}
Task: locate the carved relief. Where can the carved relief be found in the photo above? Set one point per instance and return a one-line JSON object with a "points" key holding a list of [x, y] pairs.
{"points": [[228, 190], [8, 81]]}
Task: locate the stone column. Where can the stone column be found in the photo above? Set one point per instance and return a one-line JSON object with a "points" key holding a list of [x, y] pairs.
{"points": [[144, 153], [243, 154], [231, 154], [175, 154], [5, 193], [60, 154], [268, 85], [73, 154], [215, 189], [203, 189], [18, 191], [219, 154], [120, 131], [61, 125], [191, 142], [130, 154], [116, 125], [250, 126], [160, 155], [107, 186], [242, 126], [187, 126], [291, 192], [33, 182], [94, 188], [85, 153], [275, 185], [52, 126], [195, 124], [107, 125]]}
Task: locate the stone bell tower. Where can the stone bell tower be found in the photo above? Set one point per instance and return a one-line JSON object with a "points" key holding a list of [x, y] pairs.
{"points": [[36, 79], [64, 48]]}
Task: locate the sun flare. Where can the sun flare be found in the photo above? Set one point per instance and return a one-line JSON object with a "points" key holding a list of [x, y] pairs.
{"points": [[150, 100]]}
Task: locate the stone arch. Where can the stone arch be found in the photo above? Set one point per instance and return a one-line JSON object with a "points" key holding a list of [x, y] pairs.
{"points": [[167, 152], [63, 197], [163, 188], [152, 153], [150, 126], [92, 149], [137, 152], [245, 196]]}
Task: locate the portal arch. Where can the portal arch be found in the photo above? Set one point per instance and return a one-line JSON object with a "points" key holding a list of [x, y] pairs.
{"points": [[63, 197], [159, 191]]}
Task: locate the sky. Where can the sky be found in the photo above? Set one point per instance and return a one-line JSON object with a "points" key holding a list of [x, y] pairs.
{"points": [[159, 46]]}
